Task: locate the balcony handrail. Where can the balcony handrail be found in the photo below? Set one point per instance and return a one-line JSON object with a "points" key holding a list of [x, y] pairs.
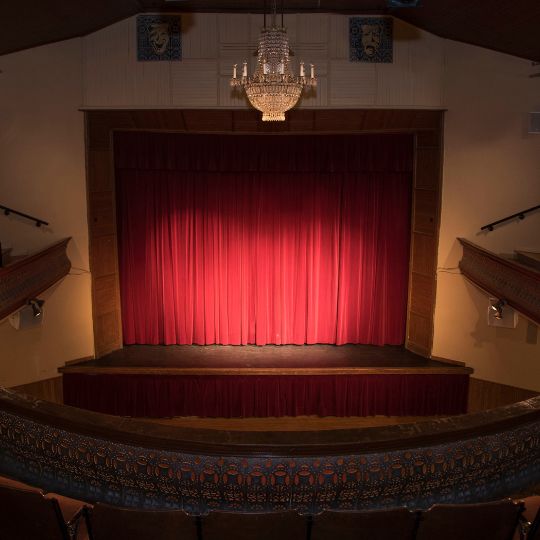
{"points": [[7, 211], [520, 215]]}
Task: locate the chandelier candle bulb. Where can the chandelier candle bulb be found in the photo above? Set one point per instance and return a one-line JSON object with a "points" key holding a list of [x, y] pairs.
{"points": [[302, 70], [234, 72], [244, 70], [312, 71]]}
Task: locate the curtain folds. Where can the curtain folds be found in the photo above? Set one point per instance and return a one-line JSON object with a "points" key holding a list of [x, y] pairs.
{"points": [[270, 239]]}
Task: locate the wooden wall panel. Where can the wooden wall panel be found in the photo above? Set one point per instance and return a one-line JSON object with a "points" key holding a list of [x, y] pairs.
{"points": [[100, 176], [108, 328], [419, 329], [101, 213], [105, 292], [424, 240], [425, 211], [103, 256], [102, 228], [484, 395], [422, 294], [47, 389], [427, 176], [427, 125], [422, 262]]}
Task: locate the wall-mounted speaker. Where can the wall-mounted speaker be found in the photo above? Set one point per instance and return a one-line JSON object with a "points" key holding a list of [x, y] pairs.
{"points": [[534, 122]]}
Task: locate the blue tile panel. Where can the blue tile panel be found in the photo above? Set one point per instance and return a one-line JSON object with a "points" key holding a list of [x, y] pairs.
{"points": [[371, 39], [159, 37]]}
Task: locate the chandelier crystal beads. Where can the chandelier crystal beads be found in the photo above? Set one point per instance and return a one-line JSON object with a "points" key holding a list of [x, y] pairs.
{"points": [[273, 89]]}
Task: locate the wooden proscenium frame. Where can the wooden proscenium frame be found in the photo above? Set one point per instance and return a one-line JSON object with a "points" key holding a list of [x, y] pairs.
{"points": [[426, 125]]}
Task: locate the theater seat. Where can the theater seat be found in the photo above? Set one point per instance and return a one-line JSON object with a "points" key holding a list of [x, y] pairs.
{"points": [[29, 515], [483, 521], [369, 525], [109, 522], [268, 526], [71, 508], [532, 514]]}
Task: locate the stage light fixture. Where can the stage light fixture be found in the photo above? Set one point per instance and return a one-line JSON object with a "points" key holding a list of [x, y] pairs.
{"points": [[497, 307], [36, 304]]}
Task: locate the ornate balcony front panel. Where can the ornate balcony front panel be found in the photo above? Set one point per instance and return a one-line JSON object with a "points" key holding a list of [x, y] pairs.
{"points": [[503, 278], [96, 457], [27, 277]]}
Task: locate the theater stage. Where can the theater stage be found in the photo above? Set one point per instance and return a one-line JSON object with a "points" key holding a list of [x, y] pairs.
{"points": [[250, 381]]}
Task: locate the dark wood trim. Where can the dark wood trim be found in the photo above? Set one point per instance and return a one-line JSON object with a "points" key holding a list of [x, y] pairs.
{"points": [[448, 361], [426, 125], [94, 370], [46, 389], [78, 360], [484, 395]]}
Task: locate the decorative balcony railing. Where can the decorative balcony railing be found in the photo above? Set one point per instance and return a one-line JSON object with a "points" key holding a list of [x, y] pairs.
{"points": [[503, 278], [25, 278], [96, 457]]}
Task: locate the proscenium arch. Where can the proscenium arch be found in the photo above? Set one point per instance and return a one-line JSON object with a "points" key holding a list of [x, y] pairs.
{"points": [[425, 125]]}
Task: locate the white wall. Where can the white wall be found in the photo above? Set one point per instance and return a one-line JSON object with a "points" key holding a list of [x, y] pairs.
{"points": [[42, 173], [491, 170], [212, 43]]}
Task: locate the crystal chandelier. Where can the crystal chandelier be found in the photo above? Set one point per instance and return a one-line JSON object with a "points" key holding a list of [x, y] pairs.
{"points": [[273, 89]]}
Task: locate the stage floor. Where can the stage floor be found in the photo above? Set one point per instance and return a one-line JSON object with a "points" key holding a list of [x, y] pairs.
{"points": [[272, 381], [270, 359]]}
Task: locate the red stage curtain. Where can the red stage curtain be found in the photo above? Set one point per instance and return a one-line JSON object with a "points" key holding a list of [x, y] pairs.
{"points": [[269, 395], [287, 239]]}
